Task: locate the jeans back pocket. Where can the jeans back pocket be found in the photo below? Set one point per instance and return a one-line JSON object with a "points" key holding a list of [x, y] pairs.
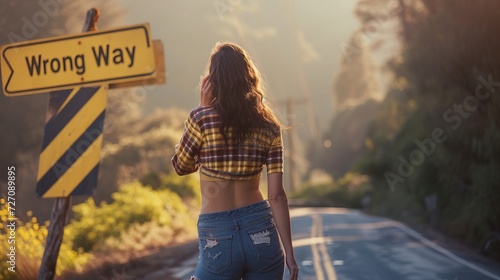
{"points": [[215, 252], [266, 242]]}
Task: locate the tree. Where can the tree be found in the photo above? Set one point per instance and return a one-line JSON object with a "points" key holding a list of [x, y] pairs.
{"points": [[355, 91], [446, 77]]}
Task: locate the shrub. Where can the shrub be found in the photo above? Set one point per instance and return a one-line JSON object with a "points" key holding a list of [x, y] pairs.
{"points": [[133, 204], [29, 242], [348, 191], [187, 187]]}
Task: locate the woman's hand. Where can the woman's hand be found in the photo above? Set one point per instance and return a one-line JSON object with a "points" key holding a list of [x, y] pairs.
{"points": [[291, 263], [206, 95]]}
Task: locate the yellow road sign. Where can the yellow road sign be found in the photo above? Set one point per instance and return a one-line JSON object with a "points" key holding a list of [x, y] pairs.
{"points": [[69, 161], [88, 59]]}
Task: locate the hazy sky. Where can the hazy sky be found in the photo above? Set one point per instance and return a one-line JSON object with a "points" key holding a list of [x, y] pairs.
{"points": [[266, 30]]}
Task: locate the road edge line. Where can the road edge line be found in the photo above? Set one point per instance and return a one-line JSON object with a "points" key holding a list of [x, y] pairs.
{"points": [[444, 251]]}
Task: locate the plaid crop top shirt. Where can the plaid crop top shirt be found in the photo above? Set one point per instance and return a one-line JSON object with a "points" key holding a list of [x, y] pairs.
{"points": [[202, 147]]}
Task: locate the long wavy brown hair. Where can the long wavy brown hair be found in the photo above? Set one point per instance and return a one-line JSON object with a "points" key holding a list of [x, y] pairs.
{"points": [[239, 97]]}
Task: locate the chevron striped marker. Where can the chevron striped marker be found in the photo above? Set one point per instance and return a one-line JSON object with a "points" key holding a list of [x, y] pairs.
{"points": [[69, 161]]}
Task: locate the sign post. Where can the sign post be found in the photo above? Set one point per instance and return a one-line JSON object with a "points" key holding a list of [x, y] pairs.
{"points": [[61, 204], [77, 70]]}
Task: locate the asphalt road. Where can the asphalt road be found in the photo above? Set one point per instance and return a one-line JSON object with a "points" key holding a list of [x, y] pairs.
{"points": [[333, 243]]}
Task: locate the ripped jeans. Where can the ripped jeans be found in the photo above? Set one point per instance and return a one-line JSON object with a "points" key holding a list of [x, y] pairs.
{"points": [[239, 244]]}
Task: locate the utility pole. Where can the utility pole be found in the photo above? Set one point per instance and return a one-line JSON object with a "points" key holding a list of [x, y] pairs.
{"points": [[289, 105]]}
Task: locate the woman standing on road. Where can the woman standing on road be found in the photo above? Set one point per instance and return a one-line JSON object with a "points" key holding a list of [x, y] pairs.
{"points": [[229, 138]]}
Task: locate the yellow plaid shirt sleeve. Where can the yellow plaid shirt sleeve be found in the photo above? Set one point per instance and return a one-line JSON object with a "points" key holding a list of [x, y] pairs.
{"points": [[274, 160], [186, 152]]}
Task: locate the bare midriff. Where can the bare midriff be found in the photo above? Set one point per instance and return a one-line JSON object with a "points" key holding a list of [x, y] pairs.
{"points": [[223, 195]]}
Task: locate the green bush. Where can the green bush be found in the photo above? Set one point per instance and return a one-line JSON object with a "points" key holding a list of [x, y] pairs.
{"points": [[132, 204], [348, 191], [29, 242], [187, 187]]}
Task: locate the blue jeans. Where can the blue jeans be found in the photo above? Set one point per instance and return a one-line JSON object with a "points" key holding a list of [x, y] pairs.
{"points": [[240, 244]]}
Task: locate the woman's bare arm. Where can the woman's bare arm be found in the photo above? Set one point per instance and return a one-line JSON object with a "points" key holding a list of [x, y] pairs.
{"points": [[279, 206]]}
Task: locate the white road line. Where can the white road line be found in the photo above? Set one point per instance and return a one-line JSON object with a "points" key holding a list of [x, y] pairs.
{"points": [[444, 251], [310, 241]]}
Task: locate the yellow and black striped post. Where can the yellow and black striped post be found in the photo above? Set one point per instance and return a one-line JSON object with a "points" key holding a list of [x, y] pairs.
{"points": [[69, 161]]}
